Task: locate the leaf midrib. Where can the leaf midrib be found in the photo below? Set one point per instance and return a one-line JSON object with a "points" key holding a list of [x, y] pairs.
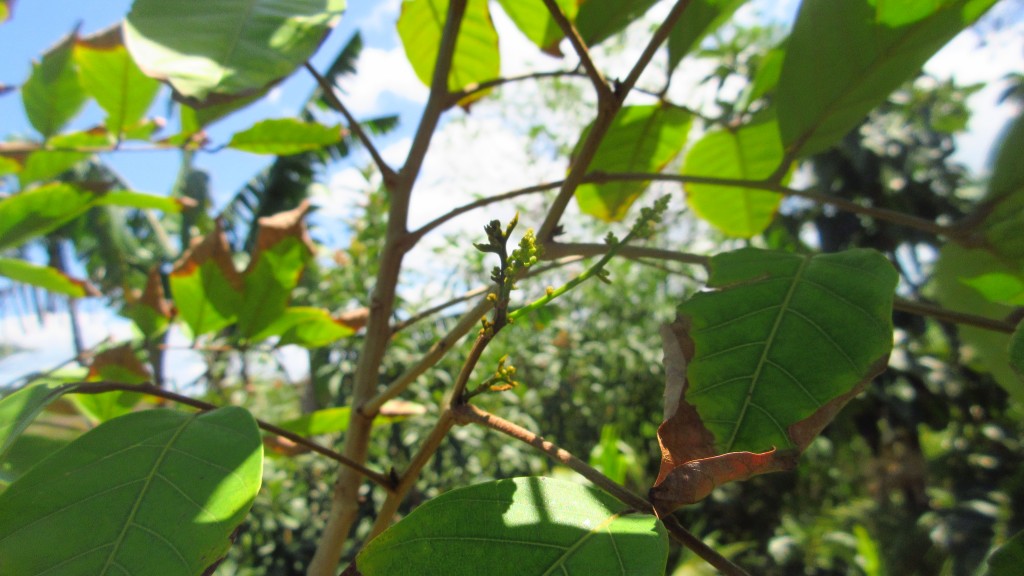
{"points": [[572, 549], [763, 360]]}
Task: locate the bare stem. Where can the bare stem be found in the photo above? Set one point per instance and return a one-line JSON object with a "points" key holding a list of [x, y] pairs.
{"points": [[944, 315], [561, 250], [595, 75], [387, 173], [151, 390]]}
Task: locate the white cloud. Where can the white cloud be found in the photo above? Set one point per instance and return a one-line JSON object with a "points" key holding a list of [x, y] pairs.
{"points": [[383, 75]]}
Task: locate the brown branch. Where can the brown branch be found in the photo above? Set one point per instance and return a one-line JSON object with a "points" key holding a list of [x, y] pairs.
{"points": [[415, 236], [891, 216], [151, 390], [945, 315], [604, 93], [456, 97], [467, 413], [345, 499], [387, 173]]}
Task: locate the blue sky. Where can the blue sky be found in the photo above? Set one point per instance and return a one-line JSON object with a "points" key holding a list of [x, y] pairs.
{"points": [[482, 153]]}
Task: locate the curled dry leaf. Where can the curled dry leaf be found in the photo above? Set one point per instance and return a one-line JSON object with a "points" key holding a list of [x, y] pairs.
{"points": [[289, 224], [354, 319]]}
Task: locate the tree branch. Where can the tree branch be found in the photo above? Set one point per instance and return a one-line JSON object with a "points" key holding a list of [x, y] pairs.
{"points": [[604, 93], [467, 413], [456, 97], [953, 317], [387, 173], [151, 390], [659, 37]]}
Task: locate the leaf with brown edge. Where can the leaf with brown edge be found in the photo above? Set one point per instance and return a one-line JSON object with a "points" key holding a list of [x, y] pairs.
{"points": [[118, 364], [150, 310], [206, 287], [765, 361]]}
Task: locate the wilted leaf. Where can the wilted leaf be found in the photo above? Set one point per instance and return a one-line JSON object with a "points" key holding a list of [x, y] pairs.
{"points": [[53, 95], [771, 356], [111, 77], [206, 287], [216, 50], [150, 310], [751, 152], [283, 247], [844, 58], [285, 136], [118, 364], [46, 277], [640, 139], [523, 526], [476, 57], [156, 493]]}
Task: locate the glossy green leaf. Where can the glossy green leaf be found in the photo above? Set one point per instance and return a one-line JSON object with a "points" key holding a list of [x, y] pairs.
{"points": [[45, 277], [534, 20], [981, 349], [1008, 558], [39, 210], [522, 526], [20, 408], [999, 287], [108, 74], [53, 95], [476, 57], [205, 286], [844, 58], [640, 139], [782, 336], [699, 18], [156, 492], [285, 136], [751, 152], [1004, 221], [598, 20], [211, 50], [305, 326]]}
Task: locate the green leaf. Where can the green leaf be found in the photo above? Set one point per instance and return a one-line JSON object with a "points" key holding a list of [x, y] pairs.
{"points": [[765, 79], [212, 50], [205, 285], [39, 210], [1017, 351], [285, 136], [156, 492], [699, 18], [53, 95], [534, 20], [19, 409], [306, 326], [999, 287], [141, 201], [982, 349], [1008, 558], [60, 155], [108, 74], [751, 152], [782, 336], [335, 420], [283, 248], [45, 277], [769, 358], [599, 20], [844, 58], [476, 57], [640, 139], [150, 310], [1005, 199], [522, 526]]}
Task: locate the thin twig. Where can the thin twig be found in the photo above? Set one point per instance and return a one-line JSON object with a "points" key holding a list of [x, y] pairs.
{"points": [[563, 249], [151, 390], [467, 413], [945, 315], [387, 173], [478, 87], [659, 37], [422, 231], [604, 92]]}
